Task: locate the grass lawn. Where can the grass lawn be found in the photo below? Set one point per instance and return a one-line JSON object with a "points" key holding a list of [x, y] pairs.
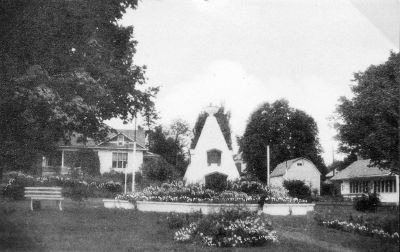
{"points": [[87, 226]]}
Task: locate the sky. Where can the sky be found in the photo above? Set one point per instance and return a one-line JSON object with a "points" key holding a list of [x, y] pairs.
{"points": [[242, 53]]}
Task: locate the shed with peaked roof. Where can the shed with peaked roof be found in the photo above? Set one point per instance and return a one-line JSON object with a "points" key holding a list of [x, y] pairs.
{"points": [[296, 169]]}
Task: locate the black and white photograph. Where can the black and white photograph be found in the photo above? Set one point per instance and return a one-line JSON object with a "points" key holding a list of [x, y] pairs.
{"points": [[200, 125]]}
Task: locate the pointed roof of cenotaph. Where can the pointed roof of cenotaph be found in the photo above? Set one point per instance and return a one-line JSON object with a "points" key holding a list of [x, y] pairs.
{"points": [[211, 138]]}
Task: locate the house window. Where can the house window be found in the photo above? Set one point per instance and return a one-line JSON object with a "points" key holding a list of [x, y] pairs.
{"points": [[385, 186], [359, 187], [119, 159], [214, 157], [120, 139]]}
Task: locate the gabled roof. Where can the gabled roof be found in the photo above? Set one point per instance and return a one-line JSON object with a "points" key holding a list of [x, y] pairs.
{"points": [[128, 143], [330, 174], [281, 168], [360, 169], [140, 135]]}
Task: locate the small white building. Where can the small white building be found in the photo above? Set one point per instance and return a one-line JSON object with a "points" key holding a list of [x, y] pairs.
{"points": [[115, 153], [296, 169], [211, 157], [360, 178]]}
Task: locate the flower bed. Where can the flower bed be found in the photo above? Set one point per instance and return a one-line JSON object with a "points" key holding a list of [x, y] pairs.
{"points": [[74, 188], [234, 228], [176, 197], [284, 200], [357, 228], [178, 192]]}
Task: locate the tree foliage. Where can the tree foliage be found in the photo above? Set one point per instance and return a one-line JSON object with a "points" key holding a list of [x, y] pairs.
{"points": [[66, 66], [342, 164], [159, 170], [179, 130], [297, 189], [88, 161], [289, 132], [368, 123], [167, 147], [223, 118]]}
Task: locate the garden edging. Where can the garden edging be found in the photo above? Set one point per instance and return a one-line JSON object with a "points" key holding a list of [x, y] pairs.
{"points": [[207, 208], [183, 207]]}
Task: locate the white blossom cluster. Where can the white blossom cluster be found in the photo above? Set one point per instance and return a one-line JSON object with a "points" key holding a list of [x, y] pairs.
{"points": [[250, 231]]}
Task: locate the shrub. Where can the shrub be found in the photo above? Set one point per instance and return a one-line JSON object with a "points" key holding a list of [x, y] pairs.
{"points": [[330, 189], [114, 176], [159, 170], [89, 162], [368, 202], [297, 189], [216, 182], [15, 187]]}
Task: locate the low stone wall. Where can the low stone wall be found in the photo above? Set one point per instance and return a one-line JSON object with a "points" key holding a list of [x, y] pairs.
{"points": [[288, 209], [120, 204], [207, 208], [181, 207]]}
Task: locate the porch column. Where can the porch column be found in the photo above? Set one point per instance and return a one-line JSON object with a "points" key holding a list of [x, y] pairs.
{"points": [[62, 162]]}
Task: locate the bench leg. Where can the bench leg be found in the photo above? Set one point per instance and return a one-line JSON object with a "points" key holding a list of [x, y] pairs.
{"points": [[31, 205], [59, 205]]}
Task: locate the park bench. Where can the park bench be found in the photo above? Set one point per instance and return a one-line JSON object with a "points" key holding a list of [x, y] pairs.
{"points": [[44, 193]]}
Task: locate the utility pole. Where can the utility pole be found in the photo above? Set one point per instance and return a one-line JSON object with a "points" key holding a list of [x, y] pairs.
{"points": [[126, 179], [268, 168], [134, 159]]}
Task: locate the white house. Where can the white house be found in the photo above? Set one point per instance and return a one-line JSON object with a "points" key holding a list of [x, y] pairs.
{"points": [[360, 177], [115, 153], [296, 169], [211, 157]]}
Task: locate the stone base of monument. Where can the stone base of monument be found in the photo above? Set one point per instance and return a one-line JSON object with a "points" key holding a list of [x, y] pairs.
{"points": [[119, 204], [207, 208], [180, 207]]}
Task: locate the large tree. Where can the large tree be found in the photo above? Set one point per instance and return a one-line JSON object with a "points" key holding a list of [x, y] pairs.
{"points": [[289, 132], [170, 145], [368, 123], [223, 118], [66, 66]]}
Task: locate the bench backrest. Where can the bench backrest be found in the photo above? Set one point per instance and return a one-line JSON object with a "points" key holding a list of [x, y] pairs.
{"points": [[43, 192]]}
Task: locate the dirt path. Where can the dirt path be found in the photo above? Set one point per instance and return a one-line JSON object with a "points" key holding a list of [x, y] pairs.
{"points": [[301, 237]]}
